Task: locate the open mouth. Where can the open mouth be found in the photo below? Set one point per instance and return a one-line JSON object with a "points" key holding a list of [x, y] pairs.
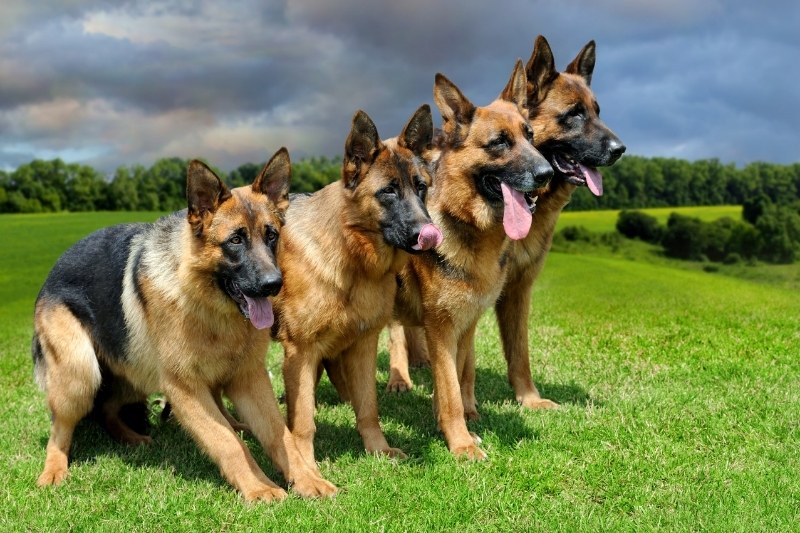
{"points": [[493, 185], [518, 206], [257, 310], [577, 173]]}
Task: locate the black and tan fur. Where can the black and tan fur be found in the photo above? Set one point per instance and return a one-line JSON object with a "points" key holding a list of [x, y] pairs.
{"points": [[139, 308], [448, 289], [567, 130], [340, 252]]}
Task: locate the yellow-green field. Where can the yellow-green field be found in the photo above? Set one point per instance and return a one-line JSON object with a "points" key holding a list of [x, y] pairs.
{"points": [[603, 221], [680, 411]]}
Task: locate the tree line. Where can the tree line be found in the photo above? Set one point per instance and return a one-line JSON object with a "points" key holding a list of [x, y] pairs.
{"points": [[634, 182], [47, 186]]}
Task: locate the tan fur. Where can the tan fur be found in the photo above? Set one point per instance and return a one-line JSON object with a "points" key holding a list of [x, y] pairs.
{"points": [[447, 296], [338, 293], [188, 340], [549, 96]]}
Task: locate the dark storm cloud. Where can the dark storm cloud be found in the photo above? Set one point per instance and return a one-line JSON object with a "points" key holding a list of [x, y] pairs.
{"points": [[129, 82]]}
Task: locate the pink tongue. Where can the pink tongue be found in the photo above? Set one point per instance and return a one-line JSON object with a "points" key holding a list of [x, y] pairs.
{"points": [[260, 311], [593, 179], [516, 213], [429, 237]]}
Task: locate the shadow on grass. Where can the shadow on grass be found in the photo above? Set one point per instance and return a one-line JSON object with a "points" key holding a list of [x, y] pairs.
{"points": [[407, 419], [493, 386]]}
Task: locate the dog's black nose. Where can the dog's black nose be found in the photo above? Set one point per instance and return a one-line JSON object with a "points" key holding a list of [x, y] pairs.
{"points": [[270, 284], [542, 173], [615, 149]]}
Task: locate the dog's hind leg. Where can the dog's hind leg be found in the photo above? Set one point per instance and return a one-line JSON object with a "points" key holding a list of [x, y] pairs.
{"points": [[466, 372], [337, 377], [417, 347], [399, 378], [67, 368], [235, 424], [123, 411]]}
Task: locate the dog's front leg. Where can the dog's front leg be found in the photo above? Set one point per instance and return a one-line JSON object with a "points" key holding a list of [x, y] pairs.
{"points": [[300, 365], [360, 363], [443, 347], [197, 412], [251, 392]]}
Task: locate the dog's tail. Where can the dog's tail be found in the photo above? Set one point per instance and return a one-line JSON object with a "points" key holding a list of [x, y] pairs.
{"points": [[39, 362]]}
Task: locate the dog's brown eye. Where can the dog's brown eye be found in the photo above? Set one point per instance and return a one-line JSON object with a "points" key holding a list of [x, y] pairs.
{"points": [[272, 235], [501, 141], [236, 239], [389, 190], [529, 133]]}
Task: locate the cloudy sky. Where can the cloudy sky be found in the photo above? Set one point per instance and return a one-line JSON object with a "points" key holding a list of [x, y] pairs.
{"points": [[116, 83]]}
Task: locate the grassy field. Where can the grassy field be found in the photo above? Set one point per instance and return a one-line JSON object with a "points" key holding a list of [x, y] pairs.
{"points": [[680, 411]]}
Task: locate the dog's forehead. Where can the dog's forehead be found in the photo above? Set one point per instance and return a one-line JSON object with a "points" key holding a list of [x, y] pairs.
{"points": [[245, 208], [569, 89], [399, 163], [500, 114]]}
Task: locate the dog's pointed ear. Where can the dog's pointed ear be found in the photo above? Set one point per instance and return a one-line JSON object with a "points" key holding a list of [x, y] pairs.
{"points": [[541, 72], [583, 64], [417, 134], [516, 90], [274, 178], [360, 149], [204, 192], [457, 111]]}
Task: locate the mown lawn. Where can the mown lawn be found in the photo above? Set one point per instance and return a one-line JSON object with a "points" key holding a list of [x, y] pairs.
{"points": [[680, 411]]}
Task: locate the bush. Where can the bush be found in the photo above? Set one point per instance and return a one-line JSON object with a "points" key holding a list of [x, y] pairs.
{"points": [[684, 238], [779, 232], [639, 225], [732, 259], [577, 233]]}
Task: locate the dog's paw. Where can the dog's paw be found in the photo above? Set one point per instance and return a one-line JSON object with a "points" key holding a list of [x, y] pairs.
{"points": [[52, 476], [265, 493], [475, 438], [314, 487], [538, 403], [392, 453], [136, 439], [471, 414], [470, 452], [399, 384]]}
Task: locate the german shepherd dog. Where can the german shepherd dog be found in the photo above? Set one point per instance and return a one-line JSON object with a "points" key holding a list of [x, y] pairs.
{"points": [[180, 306], [567, 129], [484, 174], [340, 252]]}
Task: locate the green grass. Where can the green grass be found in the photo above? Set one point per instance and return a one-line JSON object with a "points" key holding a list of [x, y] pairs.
{"points": [[680, 411], [606, 220]]}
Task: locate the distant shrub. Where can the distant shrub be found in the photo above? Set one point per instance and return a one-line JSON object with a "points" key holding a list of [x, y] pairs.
{"points": [[780, 236], [684, 238], [639, 225], [732, 259], [578, 234]]}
